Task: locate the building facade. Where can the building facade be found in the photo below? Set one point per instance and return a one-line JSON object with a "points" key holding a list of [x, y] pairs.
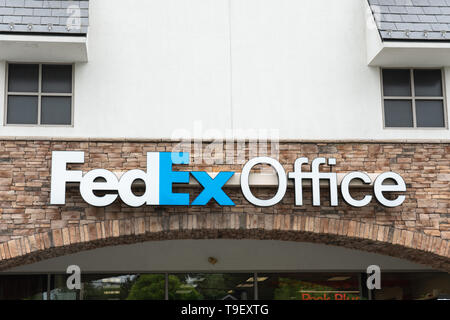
{"points": [[95, 92]]}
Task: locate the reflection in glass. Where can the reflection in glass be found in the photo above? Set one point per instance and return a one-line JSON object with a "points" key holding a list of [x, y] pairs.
{"points": [[147, 287], [413, 286], [23, 287], [228, 286], [210, 286], [59, 290], [316, 286], [104, 287]]}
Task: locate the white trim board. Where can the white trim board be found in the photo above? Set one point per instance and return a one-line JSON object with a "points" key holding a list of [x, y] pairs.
{"points": [[56, 49]]}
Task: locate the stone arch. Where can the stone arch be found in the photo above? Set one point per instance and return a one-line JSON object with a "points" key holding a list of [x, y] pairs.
{"points": [[410, 245]]}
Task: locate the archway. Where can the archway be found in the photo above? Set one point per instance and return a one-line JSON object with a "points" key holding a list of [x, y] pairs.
{"points": [[386, 240]]}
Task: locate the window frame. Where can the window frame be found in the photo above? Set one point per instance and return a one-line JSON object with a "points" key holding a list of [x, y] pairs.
{"points": [[39, 94], [413, 98]]}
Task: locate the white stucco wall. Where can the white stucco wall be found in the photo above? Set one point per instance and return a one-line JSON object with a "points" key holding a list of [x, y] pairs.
{"points": [[296, 66]]}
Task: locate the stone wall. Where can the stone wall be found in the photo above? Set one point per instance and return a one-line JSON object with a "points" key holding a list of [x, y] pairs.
{"points": [[419, 230]]}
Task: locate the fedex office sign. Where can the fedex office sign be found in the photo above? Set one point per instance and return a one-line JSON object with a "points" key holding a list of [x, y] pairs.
{"points": [[159, 179]]}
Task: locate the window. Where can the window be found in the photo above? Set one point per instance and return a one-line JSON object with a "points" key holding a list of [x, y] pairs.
{"points": [[413, 98], [39, 94]]}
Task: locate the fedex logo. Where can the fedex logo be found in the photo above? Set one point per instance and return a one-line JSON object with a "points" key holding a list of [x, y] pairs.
{"points": [[159, 180]]}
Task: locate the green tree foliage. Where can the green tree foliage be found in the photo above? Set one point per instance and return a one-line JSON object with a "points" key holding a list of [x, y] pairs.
{"points": [[92, 292], [151, 287], [125, 288], [213, 286]]}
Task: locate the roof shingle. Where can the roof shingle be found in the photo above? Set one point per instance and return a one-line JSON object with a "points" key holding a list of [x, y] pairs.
{"points": [[44, 16], [412, 19]]}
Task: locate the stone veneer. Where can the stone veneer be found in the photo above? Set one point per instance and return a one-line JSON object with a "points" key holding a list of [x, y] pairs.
{"points": [[32, 230]]}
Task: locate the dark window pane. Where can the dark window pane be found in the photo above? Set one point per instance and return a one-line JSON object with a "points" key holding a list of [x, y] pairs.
{"points": [[398, 113], [56, 110], [430, 113], [428, 83], [57, 78], [22, 110], [23, 78], [397, 82], [23, 287]]}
